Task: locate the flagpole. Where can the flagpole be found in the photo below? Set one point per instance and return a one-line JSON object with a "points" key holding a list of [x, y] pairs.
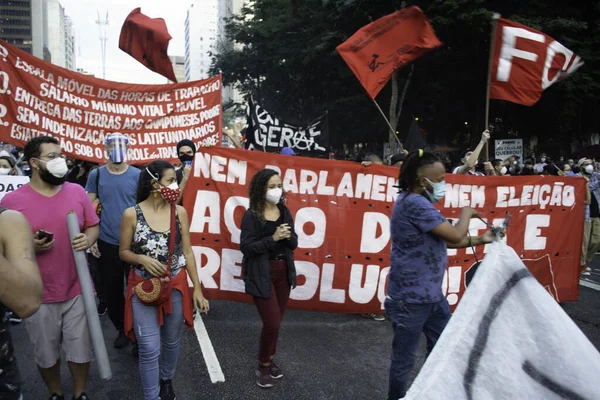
{"points": [[495, 18], [388, 122]]}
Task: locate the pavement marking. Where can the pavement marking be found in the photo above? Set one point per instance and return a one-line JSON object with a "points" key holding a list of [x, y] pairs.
{"points": [[589, 284], [208, 351]]}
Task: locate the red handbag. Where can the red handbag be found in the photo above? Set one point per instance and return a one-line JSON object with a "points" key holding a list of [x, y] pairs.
{"points": [[156, 291]]}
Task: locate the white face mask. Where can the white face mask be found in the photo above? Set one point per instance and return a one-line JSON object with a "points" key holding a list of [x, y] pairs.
{"points": [[4, 171], [589, 169], [57, 167], [503, 171], [274, 195]]}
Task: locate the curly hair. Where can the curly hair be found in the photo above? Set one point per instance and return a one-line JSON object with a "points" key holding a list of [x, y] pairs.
{"points": [[257, 191], [157, 168], [409, 173]]}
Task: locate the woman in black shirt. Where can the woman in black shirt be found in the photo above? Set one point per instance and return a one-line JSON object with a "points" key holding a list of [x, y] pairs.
{"points": [[267, 241]]}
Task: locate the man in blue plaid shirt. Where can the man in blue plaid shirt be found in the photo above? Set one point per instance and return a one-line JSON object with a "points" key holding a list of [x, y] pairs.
{"points": [[591, 228]]}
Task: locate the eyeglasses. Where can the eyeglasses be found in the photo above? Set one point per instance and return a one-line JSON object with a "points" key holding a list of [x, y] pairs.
{"points": [[53, 156]]}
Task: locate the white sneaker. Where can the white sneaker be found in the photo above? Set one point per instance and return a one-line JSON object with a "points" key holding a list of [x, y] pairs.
{"points": [[586, 273], [588, 269]]}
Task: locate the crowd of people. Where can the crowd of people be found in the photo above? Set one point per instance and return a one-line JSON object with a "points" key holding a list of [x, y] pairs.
{"points": [[137, 237]]}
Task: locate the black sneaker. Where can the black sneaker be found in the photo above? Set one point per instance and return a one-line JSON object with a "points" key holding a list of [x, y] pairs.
{"points": [[56, 397], [82, 396], [263, 377], [15, 319], [121, 341], [275, 371], [102, 308], [166, 390]]}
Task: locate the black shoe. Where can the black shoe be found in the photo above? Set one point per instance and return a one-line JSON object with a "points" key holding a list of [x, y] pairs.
{"points": [[121, 341], [166, 390], [102, 308], [15, 319], [56, 397], [82, 396]]}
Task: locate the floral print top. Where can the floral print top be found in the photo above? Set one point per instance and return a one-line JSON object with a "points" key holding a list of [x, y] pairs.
{"points": [[155, 244]]}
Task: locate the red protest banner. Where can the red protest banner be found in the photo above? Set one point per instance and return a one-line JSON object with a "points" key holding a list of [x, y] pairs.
{"points": [[526, 62], [342, 217], [41, 99], [376, 51]]}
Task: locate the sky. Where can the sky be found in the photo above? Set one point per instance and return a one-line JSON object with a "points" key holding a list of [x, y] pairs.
{"points": [[120, 66]]}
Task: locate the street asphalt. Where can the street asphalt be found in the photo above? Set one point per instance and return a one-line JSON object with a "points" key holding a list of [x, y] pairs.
{"points": [[324, 356]]}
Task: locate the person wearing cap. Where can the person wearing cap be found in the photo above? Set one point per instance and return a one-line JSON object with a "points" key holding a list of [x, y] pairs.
{"points": [[115, 186], [287, 151], [591, 225]]}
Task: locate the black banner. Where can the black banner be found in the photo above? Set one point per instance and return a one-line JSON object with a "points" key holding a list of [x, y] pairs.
{"points": [[267, 133]]}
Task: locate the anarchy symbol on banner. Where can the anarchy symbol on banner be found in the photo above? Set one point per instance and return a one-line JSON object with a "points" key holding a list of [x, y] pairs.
{"points": [[302, 141]]}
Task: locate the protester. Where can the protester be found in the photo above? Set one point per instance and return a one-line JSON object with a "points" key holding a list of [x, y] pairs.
{"points": [[79, 173], [61, 322], [567, 170], [234, 138], [471, 158], [267, 242], [420, 239], [20, 290], [571, 162], [591, 225], [8, 166], [538, 168], [499, 168], [146, 240], [528, 168], [114, 185]]}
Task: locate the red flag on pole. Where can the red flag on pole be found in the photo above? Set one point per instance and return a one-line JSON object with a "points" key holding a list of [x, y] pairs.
{"points": [[379, 49], [526, 62], [147, 39]]}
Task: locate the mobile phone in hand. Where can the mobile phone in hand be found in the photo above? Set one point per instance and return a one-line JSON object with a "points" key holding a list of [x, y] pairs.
{"points": [[45, 234], [187, 163]]}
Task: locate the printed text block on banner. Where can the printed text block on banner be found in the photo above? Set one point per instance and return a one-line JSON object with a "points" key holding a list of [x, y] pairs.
{"points": [[38, 98], [342, 211]]}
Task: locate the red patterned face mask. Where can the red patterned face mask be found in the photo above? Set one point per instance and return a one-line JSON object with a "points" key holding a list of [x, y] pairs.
{"points": [[170, 193]]}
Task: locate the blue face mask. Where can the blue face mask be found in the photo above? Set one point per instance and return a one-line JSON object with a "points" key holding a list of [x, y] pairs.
{"points": [[439, 191]]}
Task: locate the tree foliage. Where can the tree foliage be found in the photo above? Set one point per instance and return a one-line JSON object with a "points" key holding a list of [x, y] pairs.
{"points": [[285, 57]]}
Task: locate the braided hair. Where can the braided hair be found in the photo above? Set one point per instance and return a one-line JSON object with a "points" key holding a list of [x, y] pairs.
{"points": [[409, 174]]}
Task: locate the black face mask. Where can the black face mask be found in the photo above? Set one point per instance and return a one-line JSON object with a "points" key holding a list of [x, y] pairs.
{"points": [[186, 158], [50, 179]]}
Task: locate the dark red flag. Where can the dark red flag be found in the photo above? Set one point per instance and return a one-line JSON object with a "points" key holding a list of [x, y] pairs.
{"points": [[378, 50], [147, 39], [526, 62]]}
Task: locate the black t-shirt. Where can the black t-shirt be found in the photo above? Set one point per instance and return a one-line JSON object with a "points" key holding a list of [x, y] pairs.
{"points": [[594, 209], [10, 378], [179, 175], [269, 230]]}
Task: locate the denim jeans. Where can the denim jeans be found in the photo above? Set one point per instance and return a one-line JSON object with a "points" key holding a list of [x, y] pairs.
{"points": [[408, 321], [150, 336]]}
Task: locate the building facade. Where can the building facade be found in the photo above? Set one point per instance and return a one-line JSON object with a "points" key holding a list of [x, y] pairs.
{"points": [[178, 63], [15, 23], [201, 37]]}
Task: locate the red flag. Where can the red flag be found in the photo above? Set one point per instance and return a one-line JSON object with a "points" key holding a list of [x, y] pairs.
{"points": [[147, 39], [378, 50], [526, 62]]}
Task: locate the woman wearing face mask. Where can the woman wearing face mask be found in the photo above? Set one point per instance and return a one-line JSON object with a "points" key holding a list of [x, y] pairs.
{"points": [[267, 242], [7, 166], [420, 239], [145, 242]]}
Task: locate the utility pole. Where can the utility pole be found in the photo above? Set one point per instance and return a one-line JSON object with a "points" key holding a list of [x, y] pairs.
{"points": [[103, 26]]}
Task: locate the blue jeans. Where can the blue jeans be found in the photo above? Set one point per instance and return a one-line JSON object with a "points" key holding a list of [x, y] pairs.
{"points": [[408, 321], [150, 335]]}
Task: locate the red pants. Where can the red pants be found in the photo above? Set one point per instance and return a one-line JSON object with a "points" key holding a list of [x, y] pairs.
{"points": [[271, 311]]}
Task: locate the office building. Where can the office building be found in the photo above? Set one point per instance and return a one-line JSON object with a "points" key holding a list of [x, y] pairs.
{"points": [[201, 38], [178, 63], [15, 24]]}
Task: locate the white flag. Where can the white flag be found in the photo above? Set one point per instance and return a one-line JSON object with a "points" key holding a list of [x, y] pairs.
{"points": [[509, 339]]}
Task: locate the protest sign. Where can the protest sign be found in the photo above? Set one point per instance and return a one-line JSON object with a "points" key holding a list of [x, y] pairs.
{"points": [[38, 98], [11, 183], [509, 147], [508, 339], [342, 217]]}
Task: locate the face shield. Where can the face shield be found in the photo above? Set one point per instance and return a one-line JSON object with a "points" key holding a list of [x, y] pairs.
{"points": [[116, 147]]}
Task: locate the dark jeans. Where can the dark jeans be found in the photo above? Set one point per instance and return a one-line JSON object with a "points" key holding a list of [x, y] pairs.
{"points": [[408, 321], [96, 276], [113, 272], [271, 311]]}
